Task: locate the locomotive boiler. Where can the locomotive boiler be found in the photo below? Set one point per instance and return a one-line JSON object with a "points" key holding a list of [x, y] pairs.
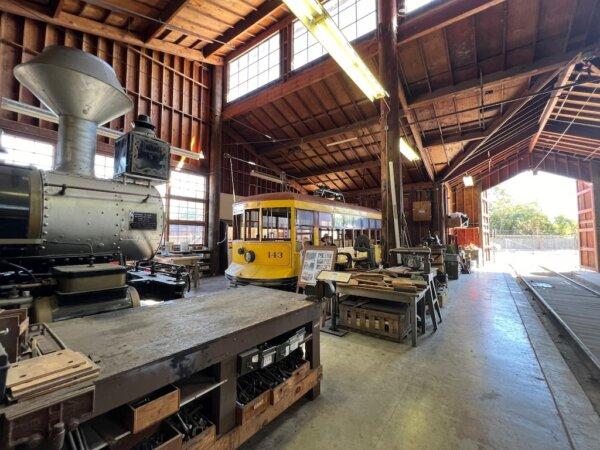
{"points": [[65, 236]]}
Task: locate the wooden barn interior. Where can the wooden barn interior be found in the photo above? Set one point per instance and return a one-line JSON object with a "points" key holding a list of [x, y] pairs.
{"points": [[213, 234]]}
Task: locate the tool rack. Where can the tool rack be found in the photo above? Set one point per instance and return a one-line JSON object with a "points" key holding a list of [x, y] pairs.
{"points": [[156, 360]]}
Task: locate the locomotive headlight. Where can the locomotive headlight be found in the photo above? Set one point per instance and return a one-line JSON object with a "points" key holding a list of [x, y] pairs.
{"points": [[249, 256]]}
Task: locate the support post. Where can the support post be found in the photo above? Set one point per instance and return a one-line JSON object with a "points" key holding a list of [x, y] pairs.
{"points": [[216, 162], [439, 210], [390, 121]]}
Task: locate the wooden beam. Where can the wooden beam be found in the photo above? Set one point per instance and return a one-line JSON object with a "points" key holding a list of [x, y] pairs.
{"points": [[414, 129], [575, 130], [409, 187], [295, 82], [55, 7], [456, 138], [215, 157], [563, 78], [319, 136], [498, 122], [342, 168], [242, 26], [444, 14], [171, 10], [495, 79], [84, 25], [264, 161]]}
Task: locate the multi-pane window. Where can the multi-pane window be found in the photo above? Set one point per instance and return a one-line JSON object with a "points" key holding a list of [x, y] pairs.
{"points": [[305, 221], [251, 223], [276, 224], [255, 68], [185, 201], [355, 18], [104, 166], [26, 152]]}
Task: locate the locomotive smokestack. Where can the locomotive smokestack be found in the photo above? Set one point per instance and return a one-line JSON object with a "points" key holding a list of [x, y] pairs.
{"points": [[84, 92]]}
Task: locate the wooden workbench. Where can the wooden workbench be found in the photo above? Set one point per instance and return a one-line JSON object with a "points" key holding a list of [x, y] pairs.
{"points": [[143, 349]]}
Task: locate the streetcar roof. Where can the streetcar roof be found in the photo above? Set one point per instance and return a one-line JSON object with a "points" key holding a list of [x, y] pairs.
{"points": [[303, 198]]}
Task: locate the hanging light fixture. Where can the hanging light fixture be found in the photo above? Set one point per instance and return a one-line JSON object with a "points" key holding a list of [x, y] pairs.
{"points": [[312, 14], [468, 181], [408, 152]]}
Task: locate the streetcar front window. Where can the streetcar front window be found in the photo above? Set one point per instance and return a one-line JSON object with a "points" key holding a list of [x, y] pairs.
{"points": [[237, 226], [276, 224], [251, 225]]}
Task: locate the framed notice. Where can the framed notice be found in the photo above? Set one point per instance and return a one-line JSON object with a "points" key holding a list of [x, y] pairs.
{"points": [[314, 260]]}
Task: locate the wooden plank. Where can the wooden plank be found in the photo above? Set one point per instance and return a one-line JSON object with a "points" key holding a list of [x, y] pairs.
{"points": [[82, 24], [166, 15], [42, 366], [242, 26], [440, 16], [350, 128]]}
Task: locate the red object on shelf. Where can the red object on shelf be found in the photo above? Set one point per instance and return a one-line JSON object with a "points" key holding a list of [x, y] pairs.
{"points": [[466, 236]]}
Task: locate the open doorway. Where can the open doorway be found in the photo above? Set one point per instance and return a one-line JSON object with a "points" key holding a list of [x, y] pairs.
{"points": [[533, 221]]}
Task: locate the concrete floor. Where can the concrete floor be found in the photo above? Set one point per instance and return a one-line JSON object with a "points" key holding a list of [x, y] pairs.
{"points": [[489, 378]]}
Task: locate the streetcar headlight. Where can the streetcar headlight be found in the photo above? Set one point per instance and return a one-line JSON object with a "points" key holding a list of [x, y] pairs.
{"points": [[249, 256]]}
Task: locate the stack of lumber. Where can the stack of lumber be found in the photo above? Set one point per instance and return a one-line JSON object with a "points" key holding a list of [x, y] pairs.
{"points": [[44, 374], [388, 280]]}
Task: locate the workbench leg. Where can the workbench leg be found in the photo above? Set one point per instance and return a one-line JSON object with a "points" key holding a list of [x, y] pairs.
{"points": [[413, 321], [313, 354], [225, 396]]}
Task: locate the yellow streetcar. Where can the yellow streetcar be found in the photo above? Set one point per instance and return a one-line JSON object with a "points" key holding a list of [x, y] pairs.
{"points": [[270, 231]]}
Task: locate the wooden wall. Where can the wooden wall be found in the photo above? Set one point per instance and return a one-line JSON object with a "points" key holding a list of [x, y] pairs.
{"points": [[172, 90], [466, 200]]}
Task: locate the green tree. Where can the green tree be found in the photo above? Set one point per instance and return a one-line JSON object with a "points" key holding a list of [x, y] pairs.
{"points": [[564, 225], [507, 217]]}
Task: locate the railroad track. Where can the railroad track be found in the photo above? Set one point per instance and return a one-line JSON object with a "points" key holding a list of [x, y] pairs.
{"points": [[574, 306]]}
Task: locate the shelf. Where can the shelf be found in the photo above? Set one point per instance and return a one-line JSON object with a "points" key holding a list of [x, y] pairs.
{"points": [[196, 387]]}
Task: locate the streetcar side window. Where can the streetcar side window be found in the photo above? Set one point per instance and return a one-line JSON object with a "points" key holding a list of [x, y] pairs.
{"points": [[276, 224], [339, 222], [237, 226], [305, 221], [251, 224], [325, 223]]}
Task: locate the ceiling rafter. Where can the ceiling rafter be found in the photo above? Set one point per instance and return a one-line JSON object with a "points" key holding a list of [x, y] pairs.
{"points": [[166, 15]]}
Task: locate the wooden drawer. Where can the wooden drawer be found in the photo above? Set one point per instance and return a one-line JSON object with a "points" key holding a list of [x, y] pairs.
{"points": [[204, 440], [173, 443], [254, 408], [287, 386], [162, 404]]}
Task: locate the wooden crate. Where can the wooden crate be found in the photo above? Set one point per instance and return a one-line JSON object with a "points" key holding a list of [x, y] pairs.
{"points": [[204, 440], [246, 412], [283, 389], [162, 404], [377, 318]]}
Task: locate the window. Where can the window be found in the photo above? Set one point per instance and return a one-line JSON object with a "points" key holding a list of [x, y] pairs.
{"points": [[251, 223], [190, 234], [104, 166], [26, 152], [276, 224], [254, 69], [237, 226], [184, 198], [325, 226], [184, 184], [355, 18], [305, 221]]}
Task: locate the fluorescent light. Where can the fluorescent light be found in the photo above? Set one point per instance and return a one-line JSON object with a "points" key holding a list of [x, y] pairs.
{"points": [[468, 181], [343, 141], [266, 177], [408, 152], [315, 18], [252, 163]]}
